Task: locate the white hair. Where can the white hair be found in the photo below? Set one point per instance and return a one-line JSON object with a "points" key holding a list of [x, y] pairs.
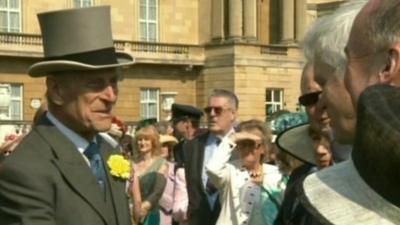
{"points": [[328, 36]]}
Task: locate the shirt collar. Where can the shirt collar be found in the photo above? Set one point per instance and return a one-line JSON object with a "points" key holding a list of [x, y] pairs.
{"points": [[80, 143]]}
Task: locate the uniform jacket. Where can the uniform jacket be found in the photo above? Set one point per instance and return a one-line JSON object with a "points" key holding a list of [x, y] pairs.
{"points": [[46, 181]]}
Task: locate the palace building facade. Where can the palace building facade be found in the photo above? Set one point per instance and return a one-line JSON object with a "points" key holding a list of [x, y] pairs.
{"points": [[183, 48]]}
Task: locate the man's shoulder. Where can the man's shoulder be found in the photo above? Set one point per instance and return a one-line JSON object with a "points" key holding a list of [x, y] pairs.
{"points": [[31, 150]]}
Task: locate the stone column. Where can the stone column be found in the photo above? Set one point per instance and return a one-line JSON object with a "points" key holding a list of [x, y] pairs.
{"points": [[217, 26], [287, 21], [301, 14], [235, 19], [250, 19]]}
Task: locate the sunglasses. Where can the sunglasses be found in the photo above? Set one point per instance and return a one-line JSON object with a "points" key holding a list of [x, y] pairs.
{"points": [[217, 110], [247, 145], [310, 98]]}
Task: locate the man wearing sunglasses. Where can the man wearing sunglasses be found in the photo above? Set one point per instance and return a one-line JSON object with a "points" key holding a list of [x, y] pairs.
{"points": [[221, 114]]}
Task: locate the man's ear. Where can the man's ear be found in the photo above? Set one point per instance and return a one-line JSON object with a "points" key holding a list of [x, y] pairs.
{"points": [[54, 91], [390, 73]]}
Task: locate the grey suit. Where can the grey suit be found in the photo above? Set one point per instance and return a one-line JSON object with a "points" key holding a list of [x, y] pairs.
{"points": [[47, 181]]}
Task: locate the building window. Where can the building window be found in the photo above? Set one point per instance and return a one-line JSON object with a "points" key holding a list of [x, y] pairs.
{"points": [[83, 3], [11, 95], [149, 20], [273, 100], [149, 103], [10, 16]]}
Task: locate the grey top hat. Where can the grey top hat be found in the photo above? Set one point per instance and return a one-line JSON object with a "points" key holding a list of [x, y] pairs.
{"points": [[77, 39]]}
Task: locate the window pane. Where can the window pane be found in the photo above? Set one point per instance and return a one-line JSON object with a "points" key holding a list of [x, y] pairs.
{"points": [[277, 96], [143, 31], [14, 4], [14, 21], [143, 13], [152, 13], [3, 3], [268, 96], [152, 31], [268, 109], [3, 20], [152, 2], [152, 110], [153, 95], [143, 95], [15, 110], [15, 91]]}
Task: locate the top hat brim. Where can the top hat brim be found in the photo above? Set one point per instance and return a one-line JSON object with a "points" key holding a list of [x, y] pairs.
{"points": [[297, 142], [341, 196], [47, 67]]}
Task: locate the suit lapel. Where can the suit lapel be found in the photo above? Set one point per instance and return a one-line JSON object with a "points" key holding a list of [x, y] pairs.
{"points": [[200, 158], [117, 186], [73, 167]]}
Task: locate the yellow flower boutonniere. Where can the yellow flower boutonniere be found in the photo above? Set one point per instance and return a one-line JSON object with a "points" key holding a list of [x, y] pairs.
{"points": [[120, 167]]}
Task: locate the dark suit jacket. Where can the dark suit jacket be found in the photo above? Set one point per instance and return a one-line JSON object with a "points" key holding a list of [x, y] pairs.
{"points": [[199, 211], [47, 181]]}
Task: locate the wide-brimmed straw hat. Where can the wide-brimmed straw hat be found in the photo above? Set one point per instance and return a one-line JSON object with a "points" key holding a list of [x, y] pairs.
{"points": [[365, 189], [297, 142], [168, 139], [77, 40]]}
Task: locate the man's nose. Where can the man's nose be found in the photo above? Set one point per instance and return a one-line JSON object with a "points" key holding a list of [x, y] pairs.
{"points": [[110, 93]]}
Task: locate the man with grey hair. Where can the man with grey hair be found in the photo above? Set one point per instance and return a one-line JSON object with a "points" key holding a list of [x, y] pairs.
{"points": [[364, 190], [221, 112], [323, 46], [323, 91]]}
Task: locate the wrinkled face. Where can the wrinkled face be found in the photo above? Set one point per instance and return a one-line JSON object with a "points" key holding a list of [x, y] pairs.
{"points": [[220, 115], [250, 152], [360, 58], [144, 144], [337, 101], [85, 100], [310, 89]]}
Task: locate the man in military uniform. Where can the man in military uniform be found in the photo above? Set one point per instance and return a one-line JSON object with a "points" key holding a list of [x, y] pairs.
{"points": [[186, 123]]}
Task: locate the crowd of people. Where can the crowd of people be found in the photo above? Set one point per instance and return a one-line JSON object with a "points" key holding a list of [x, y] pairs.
{"points": [[78, 165]]}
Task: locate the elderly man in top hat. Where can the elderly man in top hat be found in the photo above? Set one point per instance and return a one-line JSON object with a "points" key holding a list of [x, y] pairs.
{"points": [[186, 124], [59, 173], [365, 189]]}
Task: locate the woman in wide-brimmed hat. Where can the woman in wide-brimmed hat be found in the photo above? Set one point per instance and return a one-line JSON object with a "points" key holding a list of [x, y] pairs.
{"points": [[249, 190]]}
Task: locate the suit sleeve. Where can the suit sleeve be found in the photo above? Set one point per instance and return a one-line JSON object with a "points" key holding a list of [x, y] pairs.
{"points": [[25, 196], [218, 168]]}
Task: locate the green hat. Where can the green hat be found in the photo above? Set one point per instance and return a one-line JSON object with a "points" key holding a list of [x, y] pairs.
{"points": [[145, 123]]}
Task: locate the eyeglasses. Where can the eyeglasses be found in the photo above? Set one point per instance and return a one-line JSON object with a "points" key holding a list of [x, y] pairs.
{"points": [[310, 98], [217, 110]]}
